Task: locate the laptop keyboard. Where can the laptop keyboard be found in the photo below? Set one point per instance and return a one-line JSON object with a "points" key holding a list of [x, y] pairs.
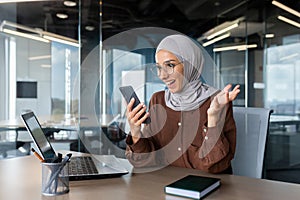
{"points": [[82, 165]]}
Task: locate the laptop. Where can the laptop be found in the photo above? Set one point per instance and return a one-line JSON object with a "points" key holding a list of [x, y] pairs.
{"points": [[82, 167]]}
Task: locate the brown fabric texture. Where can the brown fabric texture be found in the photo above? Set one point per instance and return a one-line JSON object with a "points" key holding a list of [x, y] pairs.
{"points": [[178, 138]]}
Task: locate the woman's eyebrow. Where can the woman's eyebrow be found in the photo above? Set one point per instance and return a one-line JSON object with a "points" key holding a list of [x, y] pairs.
{"points": [[168, 61]]}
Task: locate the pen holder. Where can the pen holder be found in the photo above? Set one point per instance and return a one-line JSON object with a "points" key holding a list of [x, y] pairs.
{"points": [[55, 180]]}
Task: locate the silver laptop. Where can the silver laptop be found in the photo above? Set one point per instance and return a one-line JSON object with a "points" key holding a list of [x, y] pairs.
{"points": [[80, 167]]}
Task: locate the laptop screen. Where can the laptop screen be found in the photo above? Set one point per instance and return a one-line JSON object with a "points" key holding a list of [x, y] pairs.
{"points": [[37, 134]]}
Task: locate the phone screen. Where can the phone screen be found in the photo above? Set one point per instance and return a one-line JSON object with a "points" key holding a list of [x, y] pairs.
{"points": [[128, 93]]}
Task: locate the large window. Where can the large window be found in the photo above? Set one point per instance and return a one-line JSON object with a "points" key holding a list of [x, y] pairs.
{"points": [[282, 78], [35, 77]]}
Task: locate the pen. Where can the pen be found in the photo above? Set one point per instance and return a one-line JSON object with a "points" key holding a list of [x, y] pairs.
{"points": [[55, 176], [57, 159], [37, 155]]}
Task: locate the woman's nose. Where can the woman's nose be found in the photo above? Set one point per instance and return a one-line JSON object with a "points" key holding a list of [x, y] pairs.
{"points": [[163, 74]]}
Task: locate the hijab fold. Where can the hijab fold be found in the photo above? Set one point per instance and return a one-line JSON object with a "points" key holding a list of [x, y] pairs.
{"points": [[194, 93]]}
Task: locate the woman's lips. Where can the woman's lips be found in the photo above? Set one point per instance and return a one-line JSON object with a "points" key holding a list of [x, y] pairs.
{"points": [[170, 83]]}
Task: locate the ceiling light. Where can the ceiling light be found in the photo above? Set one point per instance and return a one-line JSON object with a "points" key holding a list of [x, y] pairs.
{"points": [[216, 39], [223, 31], [289, 21], [217, 3], [37, 34], [245, 47], [39, 57], [235, 47], [45, 66], [220, 29], [257, 85], [61, 40], [25, 35], [62, 15], [31, 33], [269, 35], [70, 3], [89, 28], [284, 7]]}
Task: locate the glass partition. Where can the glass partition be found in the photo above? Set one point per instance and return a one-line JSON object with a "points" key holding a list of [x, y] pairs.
{"points": [[41, 56], [42, 77], [40, 72], [281, 73]]}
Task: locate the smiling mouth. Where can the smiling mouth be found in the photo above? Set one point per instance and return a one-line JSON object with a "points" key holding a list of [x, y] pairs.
{"points": [[170, 82]]}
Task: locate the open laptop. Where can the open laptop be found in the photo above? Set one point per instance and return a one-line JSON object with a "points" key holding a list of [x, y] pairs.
{"points": [[80, 167]]}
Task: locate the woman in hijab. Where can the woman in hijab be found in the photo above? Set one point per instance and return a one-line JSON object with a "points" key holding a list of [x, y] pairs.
{"points": [[192, 123]]}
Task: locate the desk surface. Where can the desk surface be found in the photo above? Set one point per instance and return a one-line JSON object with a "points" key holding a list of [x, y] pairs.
{"points": [[20, 178]]}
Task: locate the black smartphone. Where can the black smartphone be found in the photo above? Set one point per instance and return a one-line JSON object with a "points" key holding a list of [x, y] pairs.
{"points": [[128, 93]]}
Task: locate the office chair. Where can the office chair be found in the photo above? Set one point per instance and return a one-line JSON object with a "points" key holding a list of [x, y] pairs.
{"points": [[252, 127]]}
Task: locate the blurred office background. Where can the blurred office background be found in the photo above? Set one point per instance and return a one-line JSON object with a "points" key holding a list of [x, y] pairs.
{"points": [[65, 60]]}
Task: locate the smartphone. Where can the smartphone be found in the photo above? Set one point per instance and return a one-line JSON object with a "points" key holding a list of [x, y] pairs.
{"points": [[128, 93]]}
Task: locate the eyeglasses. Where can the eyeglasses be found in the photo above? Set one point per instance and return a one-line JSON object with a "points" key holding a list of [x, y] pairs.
{"points": [[168, 67]]}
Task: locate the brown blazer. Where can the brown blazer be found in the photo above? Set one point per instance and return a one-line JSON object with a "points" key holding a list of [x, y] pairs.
{"points": [[182, 139]]}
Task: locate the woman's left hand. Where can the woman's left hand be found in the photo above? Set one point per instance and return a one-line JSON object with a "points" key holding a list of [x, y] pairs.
{"points": [[232, 94], [219, 102]]}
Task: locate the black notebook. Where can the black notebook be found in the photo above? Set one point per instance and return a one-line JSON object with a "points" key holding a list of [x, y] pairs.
{"points": [[193, 186]]}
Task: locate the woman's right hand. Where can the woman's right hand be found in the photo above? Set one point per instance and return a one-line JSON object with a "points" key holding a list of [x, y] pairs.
{"points": [[219, 102], [133, 116]]}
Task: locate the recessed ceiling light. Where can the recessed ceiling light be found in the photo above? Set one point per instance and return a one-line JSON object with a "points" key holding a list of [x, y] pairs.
{"points": [[62, 15], [217, 3], [89, 28], [70, 3]]}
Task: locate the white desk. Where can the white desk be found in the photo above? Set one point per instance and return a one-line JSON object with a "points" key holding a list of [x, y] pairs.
{"points": [[20, 178]]}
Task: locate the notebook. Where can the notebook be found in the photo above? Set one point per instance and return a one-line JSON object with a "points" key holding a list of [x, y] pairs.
{"points": [[192, 186], [80, 167]]}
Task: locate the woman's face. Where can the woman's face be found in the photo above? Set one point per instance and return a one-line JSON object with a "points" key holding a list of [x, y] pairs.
{"points": [[173, 81]]}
